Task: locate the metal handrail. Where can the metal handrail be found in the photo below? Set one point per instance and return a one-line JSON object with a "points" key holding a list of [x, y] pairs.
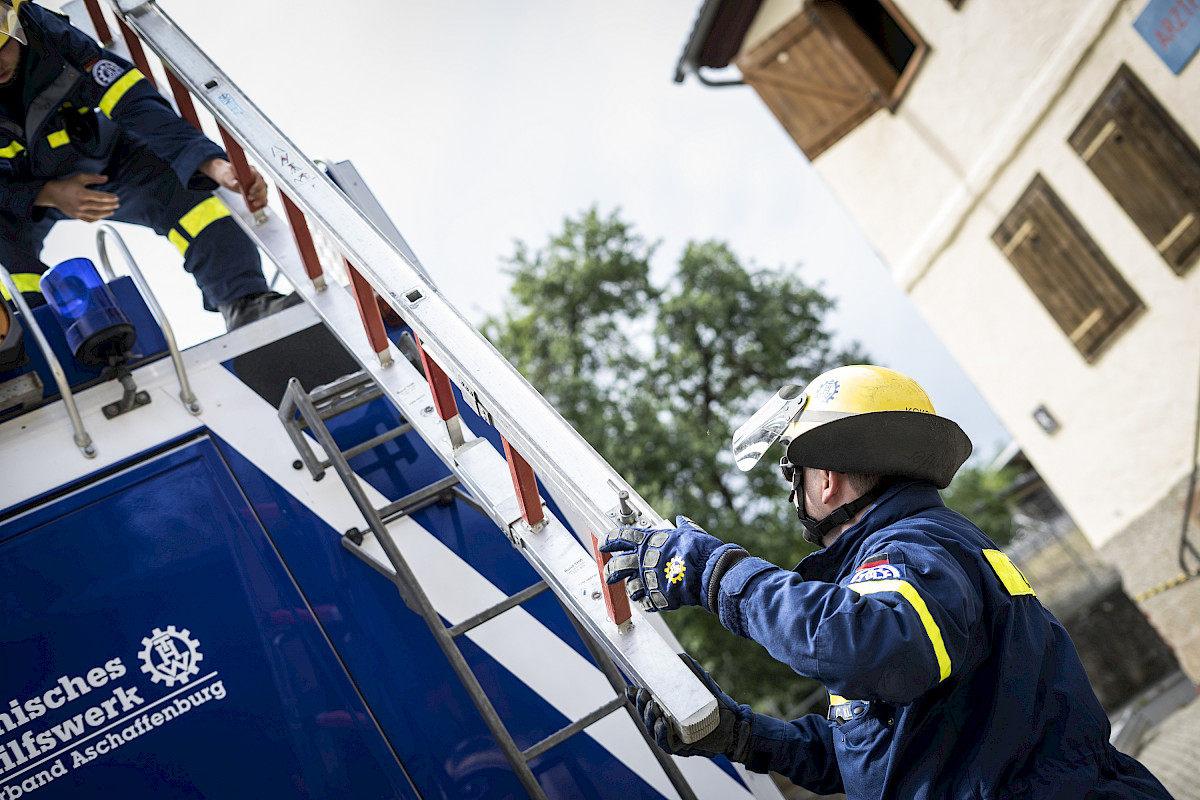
{"points": [[185, 389], [82, 439]]}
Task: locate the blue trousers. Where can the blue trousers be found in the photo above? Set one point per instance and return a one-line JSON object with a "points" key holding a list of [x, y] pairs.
{"points": [[218, 254]]}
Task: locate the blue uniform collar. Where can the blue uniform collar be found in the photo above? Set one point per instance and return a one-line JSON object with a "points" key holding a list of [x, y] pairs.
{"points": [[41, 74], [902, 500]]}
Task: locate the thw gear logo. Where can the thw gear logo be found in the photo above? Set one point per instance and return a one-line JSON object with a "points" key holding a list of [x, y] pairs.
{"points": [[675, 569], [170, 656], [827, 390], [105, 72]]}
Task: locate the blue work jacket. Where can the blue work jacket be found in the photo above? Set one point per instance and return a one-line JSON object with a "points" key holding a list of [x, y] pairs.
{"points": [[76, 100], [947, 677]]}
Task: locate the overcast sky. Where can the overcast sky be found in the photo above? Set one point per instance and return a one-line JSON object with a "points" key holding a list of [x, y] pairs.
{"points": [[481, 123]]}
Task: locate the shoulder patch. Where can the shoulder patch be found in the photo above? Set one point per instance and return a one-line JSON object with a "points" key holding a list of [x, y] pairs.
{"points": [[884, 572], [105, 72]]}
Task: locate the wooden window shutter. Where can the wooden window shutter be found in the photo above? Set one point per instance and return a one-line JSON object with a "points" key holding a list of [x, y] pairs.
{"points": [[811, 85], [1147, 163], [1061, 263], [832, 66]]}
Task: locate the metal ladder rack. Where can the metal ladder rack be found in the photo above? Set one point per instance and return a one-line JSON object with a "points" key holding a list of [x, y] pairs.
{"points": [[301, 410]]}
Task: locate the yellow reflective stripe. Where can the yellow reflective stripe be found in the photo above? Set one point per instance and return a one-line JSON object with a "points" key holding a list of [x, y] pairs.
{"points": [[202, 215], [58, 138], [180, 243], [26, 282], [11, 150], [118, 90], [1008, 573], [909, 593]]}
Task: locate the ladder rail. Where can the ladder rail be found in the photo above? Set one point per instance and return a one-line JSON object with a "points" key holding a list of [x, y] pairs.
{"points": [[581, 481]]}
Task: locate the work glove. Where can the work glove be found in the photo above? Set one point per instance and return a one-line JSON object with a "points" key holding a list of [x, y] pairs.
{"points": [[731, 738], [666, 568]]}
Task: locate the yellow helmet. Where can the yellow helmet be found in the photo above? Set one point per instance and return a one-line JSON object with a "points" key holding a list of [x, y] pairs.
{"points": [[857, 419], [10, 22]]}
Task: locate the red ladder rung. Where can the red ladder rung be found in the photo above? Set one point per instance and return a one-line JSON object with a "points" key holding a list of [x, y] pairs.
{"points": [[304, 240], [102, 31], [368, 310], [439, 384], [525, 483], [136, 52], [183, 99], [237, 157], [616, 601]]}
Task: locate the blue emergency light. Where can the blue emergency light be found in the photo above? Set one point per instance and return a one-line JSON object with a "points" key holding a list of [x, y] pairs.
{"points": [[98, 332]]}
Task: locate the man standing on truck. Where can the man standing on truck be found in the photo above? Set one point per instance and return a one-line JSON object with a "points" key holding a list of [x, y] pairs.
{"points": [[947, 678], [84, 135]]}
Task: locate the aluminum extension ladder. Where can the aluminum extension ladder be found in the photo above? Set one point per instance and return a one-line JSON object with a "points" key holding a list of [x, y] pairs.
{"points": [[592, 495], [301, 410]]}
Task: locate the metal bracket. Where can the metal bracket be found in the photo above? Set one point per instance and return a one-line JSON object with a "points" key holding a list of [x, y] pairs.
{"points": [[130, 400], [519, 529], [472, 397], [130, 6], [25, 389], [623, 514]]}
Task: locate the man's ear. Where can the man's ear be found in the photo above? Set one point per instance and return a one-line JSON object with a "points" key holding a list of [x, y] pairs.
{"points": [[831, 484]]}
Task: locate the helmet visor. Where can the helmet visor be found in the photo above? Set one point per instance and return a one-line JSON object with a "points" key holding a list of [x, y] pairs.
{"points": [[10, 24], [757, 434]]}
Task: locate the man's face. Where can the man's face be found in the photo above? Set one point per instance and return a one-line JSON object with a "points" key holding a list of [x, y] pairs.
{"points": [[10, 59], [810, 494]]}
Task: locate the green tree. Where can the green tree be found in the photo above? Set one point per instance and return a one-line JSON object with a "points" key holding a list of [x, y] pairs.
{"points": [[984, 495], [658, 378]]}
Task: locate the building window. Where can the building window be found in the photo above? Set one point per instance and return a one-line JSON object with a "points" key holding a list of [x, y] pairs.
{"points": [[1056, 257], [832, 66], [1147, 163]]}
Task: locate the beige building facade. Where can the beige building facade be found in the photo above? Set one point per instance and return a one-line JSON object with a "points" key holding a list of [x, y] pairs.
{"points": [[1029, 173]]}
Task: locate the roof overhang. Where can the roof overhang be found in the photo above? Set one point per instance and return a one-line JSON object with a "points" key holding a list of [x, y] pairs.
{"points": [[717, 36]]}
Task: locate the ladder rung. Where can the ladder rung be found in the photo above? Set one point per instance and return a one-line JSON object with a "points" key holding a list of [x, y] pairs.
{"points": [[346, 393], [386, 436], [417, 499], [488, 613], [572, 729], [468, 500]]}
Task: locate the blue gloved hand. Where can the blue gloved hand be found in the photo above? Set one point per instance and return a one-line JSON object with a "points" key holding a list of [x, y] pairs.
{"points": [[666, 568], [731, 738]]}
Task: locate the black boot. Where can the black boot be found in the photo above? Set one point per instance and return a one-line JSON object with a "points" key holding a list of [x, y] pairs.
{"points": [[253, 307]]}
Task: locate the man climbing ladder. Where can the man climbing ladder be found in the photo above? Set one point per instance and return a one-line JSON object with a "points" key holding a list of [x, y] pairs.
{"points": [[84, 135]]}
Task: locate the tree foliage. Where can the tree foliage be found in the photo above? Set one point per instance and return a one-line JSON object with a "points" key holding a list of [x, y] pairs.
{"points": [[657, 379], [983, 495]]}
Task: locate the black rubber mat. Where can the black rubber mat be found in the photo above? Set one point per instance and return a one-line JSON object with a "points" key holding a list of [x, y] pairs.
{"points": [[313, 356]]}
